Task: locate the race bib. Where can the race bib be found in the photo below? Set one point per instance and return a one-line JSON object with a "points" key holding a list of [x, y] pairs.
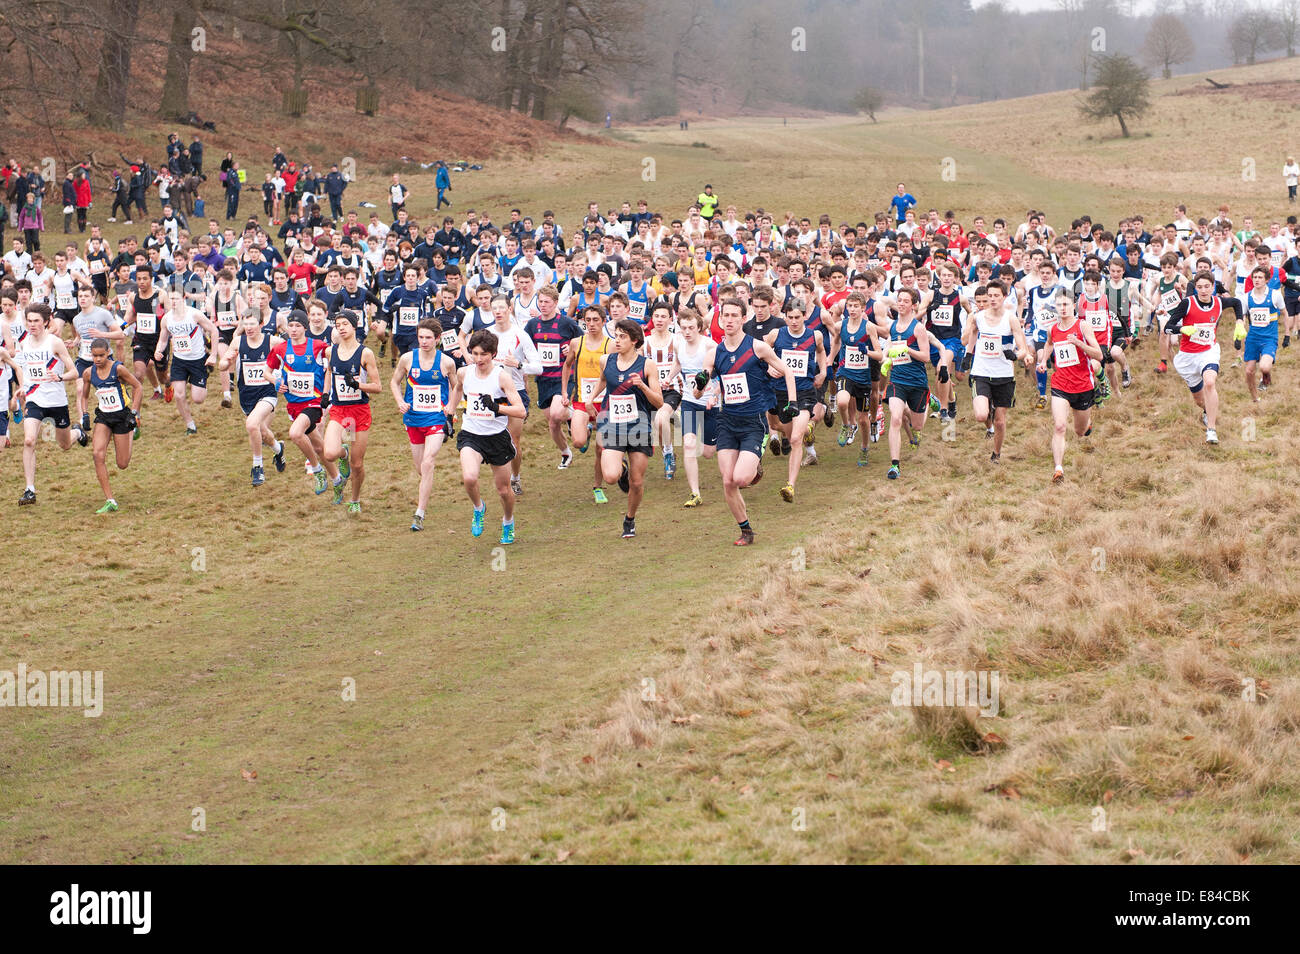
{"points": [[254, 373], [37, 371], [300, 285], [344, 391], [1067, 355], [83, 349], [1204, 334], [449, 341], [184, 346], [407, 316], [550, 355], [301, 384], [98, 265], [122, 302], [665, 372], [904, 358], [426, 398], [735, 389], [855, 360], [941, 315], [622, 408], [110, 399], [990, 345], [1260, 317], [1097, 320], [636, 309], [474, 408], [1169, 300], [146, 323], [226, 320], [64, 301], [796, 361], [586, 388]]}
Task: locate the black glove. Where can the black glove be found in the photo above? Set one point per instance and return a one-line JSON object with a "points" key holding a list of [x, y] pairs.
{"points": [[1009, 352], [943, 374], [702, 380], [1236, 344], [787, 413], [351, 381], [490, 403], [130, 417], [968, 361]]}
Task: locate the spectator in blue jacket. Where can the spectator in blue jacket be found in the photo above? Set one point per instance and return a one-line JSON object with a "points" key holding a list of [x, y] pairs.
{"points": [[442, 180], [232, 190], [334, 186]]}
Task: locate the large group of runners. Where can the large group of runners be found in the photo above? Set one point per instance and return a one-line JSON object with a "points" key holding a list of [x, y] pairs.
{"points": [[725, 335]]}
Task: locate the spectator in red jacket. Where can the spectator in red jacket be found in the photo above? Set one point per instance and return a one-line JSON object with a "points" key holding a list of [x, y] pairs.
{"points": [[81, 186]]}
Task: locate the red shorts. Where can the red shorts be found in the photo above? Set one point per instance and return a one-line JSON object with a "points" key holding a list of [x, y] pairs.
{"points": [[355, 417], [418, 435], [590, 412], [296, 409]]}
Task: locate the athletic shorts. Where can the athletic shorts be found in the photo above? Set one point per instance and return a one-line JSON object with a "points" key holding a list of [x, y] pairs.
{"points": [[497, 450], [66, 314], [249, 404], [523, 396], [1292, 306], [225, 336], [1000, 392], [1192, 365], [631, 436], [807, 400], [418, 435], [192, 370], [404, 344], [1080, 401], [955, 346], [548, 389], [116, 422], [861, 393], [312, 411], [59, 415], [355, 417], [916, 398], [4, 423], [744, 434], [81, 367], [143, 349], [873, 367], [673, 398], [702, 422], [1259, 345]]}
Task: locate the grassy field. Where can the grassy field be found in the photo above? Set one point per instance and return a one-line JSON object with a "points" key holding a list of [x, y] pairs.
{"points": [[503, 709]]}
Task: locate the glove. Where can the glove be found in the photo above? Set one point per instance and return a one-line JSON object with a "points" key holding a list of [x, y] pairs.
{"points": [[896, 351], [1009, 352], [490, 403], [787, 413], [702, 380], [130, 417], [968, 361], [1189, 331], [943, 374], [1238, 335], [351, 381]]}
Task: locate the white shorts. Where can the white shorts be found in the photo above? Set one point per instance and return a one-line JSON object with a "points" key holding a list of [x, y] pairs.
{"points": [[1192, 365]]}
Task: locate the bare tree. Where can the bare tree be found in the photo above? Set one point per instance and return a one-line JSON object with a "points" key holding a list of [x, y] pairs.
{"points": [[1252, 33], [1289, 21], [107, 105], [1167, 44], [180, 52]]}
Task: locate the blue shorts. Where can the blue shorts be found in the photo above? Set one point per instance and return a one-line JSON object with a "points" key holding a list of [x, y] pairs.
{"points": [[81, 365], [741, 433], [4, 423], [523, 396], [702, 422], [193, 370], [1259, 345], [955, 346], [548, 389]]}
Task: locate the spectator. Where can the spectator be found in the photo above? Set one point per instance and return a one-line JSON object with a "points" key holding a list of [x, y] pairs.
{"points": [[227, 162], [291, 190], [137, 189], [334, 186], [173, 146], [121, 198], [279, 162], [397, 194], [442, 180], [196, 156], [232, 187], [268, 196], [81, 186], [1291, 172], [901, 202], [29, 197], [69, 203]]}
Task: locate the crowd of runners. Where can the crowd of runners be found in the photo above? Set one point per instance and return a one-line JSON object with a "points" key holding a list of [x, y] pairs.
{"points": [[726, 335]]}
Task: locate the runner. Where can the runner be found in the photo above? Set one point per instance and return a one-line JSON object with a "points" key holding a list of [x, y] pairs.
{"points": [[142, 317], [800, 349], [517, 354], [1197, 361], [46, 366], [583, 369], [301, 361], [490, 398], [910, 347], [1262, 311], [251, 351], [627, 428], [552, 332], [1166, 292], [226, 309], [184, 326], [89, 324], [351, 376], [693, 350], [738, 363], [1071, 347], [857, 341], [660, 347], [421, 388], [114, 420], [993, 342]]}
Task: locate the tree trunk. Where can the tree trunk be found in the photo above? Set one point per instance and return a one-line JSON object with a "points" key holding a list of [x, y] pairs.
{"points": [[108, 102], [1123, 127], [920, 61], [1168, 72], [180, 51], [547, 73]]}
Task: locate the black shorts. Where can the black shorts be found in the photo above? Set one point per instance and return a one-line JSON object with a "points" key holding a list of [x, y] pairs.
{"points": [[874, 367], [81, 366], [1080, 402], [916, 398], [548, 389], [1293, 306], [59, 415], [1000, 392], [743, 434], [673, 398], [116, 422], [225, 336], [861, 393], [192, 370], [497, 450], [144, 349], [807, 400], [4, 423], [65, 314], [312, 414]]}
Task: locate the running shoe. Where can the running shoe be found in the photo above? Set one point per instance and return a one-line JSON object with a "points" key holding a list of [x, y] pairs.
{"points": [[345, 464], [135, 434], [843, 438], [767, 439], [670, 465], [853, 433], [1286, 341], [787, 493], [169, 393], [85, 421], [915, 439], [746, 538], [191, 430], [1127, 379], [1058, 477], [785, 446], [476, 528], [157, 395], [624, 484], [583, 448], [875, 432], [934, 405], [18, 413], [943, 416], [810, 458], [354, 506], [565, 460], [383, 347], [110, 506], [599, 494], [1205, 420], [862, 457], [279, 458], [28, 497], [809, 437], [758, 474], [995, 458], [892, 473], [225, 401], [82, 437], [508, 533], [321, 482], [988, 431], [417, 523], [774, 447], [629, 528], [1162, 367], [516, 486], [259, 476], [828, 416], [1211, 436], [338, 489], [1042, 402]]}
